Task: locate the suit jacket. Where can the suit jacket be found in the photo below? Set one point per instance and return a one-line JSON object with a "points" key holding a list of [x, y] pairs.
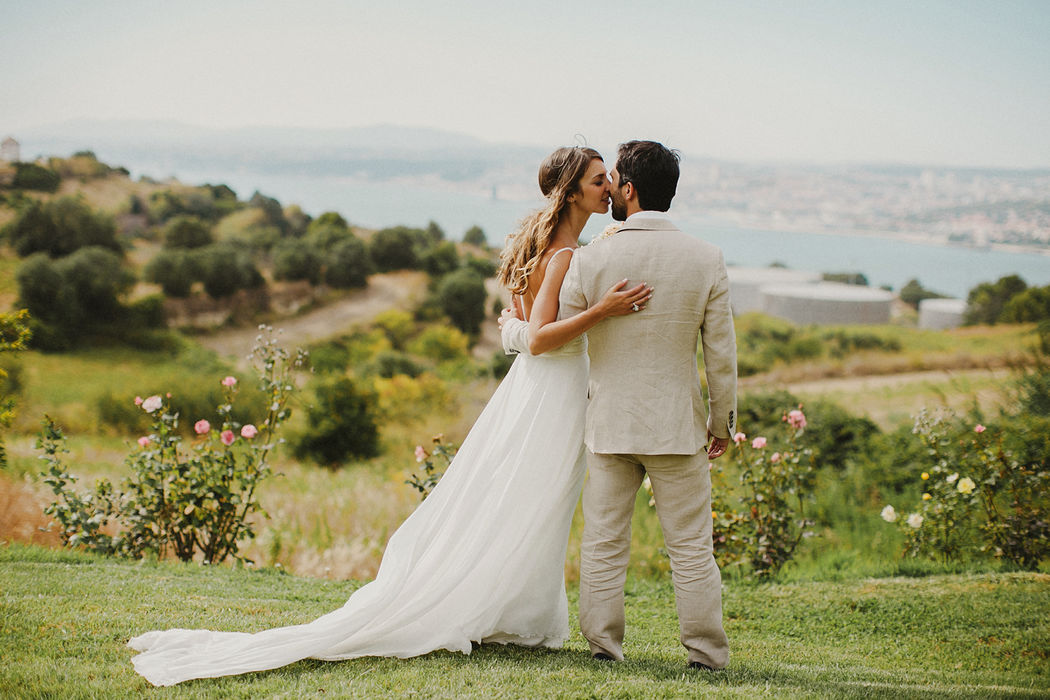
{"points": [[644, 391]]}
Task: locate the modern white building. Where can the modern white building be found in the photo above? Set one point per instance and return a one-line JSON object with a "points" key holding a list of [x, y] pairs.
{"points": [[937, 314], [10, 150], [827, 303]]}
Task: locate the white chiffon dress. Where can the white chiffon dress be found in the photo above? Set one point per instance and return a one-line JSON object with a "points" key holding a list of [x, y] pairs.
{"points": [[480, 560]]}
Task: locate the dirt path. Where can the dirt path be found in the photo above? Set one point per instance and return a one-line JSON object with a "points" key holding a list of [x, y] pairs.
{"points": [[394, 290]]}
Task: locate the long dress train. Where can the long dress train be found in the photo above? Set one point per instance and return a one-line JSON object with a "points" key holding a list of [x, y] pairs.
{"points": [[481, 559]]}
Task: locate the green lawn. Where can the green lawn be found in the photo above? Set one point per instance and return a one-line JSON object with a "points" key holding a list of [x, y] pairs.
{"points": [[65, 619]]}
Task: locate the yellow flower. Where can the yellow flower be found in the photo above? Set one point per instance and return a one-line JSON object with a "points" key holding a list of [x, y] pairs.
{"points": [[966, 485], [926, 496], [925, 476], [714, 514]]}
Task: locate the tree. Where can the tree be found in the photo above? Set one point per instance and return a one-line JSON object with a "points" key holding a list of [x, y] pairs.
{"points": [[330, 219], [74, 292], [1031, 305], [395, 248], [475, 236], [913, 292], [435, 234], [342, 423], [60, 227], [294, 261], [461, 296], [348, 264], [187, 232], [986, 301], [854, 278]]}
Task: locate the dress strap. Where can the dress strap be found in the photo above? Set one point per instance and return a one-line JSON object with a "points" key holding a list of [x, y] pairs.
{"points": [[560, 251]]}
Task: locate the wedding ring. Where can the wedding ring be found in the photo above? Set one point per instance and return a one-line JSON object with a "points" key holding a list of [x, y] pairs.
{"points": [[635, 307]]}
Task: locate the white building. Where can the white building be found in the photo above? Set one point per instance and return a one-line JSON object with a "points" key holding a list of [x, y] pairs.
{"points": [[10, 151], [745, 284], [937, 314], [827, 303]]}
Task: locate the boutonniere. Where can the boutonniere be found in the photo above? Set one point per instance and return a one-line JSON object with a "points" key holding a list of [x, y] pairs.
{"points": [[608, 231]]}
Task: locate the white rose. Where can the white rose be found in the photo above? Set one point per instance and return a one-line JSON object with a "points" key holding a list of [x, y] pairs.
{"points": [[889, 514], [915, 520]]}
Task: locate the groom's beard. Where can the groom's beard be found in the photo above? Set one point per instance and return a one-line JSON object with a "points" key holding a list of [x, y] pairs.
{"points": [[619, 206]]}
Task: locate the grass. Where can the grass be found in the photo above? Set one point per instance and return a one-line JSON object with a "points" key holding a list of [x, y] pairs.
{"points": [[66, 617]]}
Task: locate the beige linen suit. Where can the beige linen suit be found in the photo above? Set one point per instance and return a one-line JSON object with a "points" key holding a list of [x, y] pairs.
{"points": [[646, 415]]}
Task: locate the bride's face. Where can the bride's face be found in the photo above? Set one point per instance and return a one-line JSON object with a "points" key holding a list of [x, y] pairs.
{"points": [[593, 194]]}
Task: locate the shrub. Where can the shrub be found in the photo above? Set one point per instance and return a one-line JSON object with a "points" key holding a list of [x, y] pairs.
{"points": [[777, 484], [391, 362], [60, 227], [402, 399], [294, 261], [986, 301], [342, 423], [30, 176], [483, 267], [74, 292], [398, 326], [1031, 305], [189, 502], [435, 464], [440, 344], [187, 232], [395, 248], [226, 269], [461, 296], [14, 335], [175, 270], [978, 497], [475, 236], [348, 264], [441, 259], [913, 292]]}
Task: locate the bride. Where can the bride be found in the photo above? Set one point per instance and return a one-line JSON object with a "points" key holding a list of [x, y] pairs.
{"points": [[482, 558]]}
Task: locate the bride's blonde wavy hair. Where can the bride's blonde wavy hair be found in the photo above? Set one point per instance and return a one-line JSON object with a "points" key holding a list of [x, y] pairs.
{"points": [[559, 179]]}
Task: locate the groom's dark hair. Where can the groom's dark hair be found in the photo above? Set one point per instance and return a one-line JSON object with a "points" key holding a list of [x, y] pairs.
{"points": [[653, 170]]}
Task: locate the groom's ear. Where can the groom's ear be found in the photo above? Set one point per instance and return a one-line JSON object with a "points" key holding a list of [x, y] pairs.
{"points": [[629, 193]]}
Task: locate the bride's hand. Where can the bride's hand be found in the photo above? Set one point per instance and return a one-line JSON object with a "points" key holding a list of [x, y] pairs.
{"points": [[621, 302], [512, 312]]}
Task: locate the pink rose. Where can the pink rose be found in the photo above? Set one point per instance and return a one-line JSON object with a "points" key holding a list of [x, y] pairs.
{"points": [[758, 443], [775, 457], [138, 400], [229, 381], [143, 441], [979, 428], [227, 437], [249, 431], [201, 427], [739, 438], [796, 419], [152, 403], [421, 454]]}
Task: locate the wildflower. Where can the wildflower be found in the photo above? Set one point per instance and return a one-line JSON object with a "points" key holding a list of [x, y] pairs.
{"points": [[249, 431], [229, 381], [951, 479], [915, 520], [758, 443], [739, 438], [714, 515], [143, 441], [796, 419], [889, 514], [979, 428], [966, 485], [138, 400], [227, 437], [201, 427], [421, 454], [925, 476], [151, 404], [775, 457], [926, 496]]}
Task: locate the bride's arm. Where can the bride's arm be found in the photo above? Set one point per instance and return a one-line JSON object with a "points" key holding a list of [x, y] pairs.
{"points": [[546, 333]]}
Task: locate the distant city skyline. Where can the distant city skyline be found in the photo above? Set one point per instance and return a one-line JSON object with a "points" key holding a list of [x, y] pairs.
{"points": [[954, 83]]}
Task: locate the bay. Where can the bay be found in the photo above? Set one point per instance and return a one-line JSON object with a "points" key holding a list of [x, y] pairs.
{"points": [[950, 270]]}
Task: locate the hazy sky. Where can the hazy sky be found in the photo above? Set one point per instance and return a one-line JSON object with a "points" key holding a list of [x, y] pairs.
{"points": [[951, 82]]}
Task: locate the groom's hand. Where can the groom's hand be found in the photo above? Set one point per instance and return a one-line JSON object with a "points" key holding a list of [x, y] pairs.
{"points": [[717, 447]]}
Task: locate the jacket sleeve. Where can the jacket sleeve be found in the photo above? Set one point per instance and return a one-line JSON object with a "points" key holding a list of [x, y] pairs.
{"points": [[719, 343], [515, 335]]}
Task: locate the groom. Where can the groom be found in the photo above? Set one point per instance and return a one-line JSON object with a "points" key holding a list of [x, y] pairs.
{"points": [[646, 413]]}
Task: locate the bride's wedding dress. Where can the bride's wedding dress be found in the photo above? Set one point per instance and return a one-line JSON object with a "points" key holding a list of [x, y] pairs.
{"points": [[481, 560]]}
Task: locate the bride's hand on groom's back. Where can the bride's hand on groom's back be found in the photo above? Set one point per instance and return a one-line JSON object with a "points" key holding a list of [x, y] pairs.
{"points": [[620, 302]]}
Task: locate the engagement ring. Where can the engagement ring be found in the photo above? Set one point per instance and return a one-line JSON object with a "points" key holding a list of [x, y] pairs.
{"points": [[634, 306]]}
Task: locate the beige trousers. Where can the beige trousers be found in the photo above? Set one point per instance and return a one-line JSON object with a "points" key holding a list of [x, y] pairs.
{"points": [[682, 488]]}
